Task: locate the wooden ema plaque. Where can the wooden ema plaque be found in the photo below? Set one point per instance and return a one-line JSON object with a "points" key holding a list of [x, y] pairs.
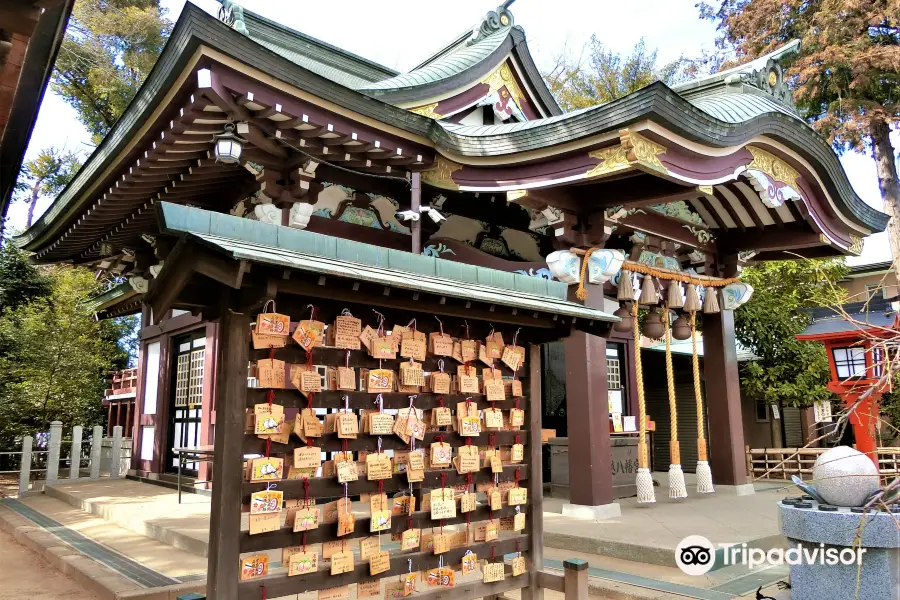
{"points": [[336, 447]]}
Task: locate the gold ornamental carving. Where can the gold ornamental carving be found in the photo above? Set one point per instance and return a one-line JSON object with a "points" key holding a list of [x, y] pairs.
{"points": [[773, 166], [856, 245], [642, 151], [503, 76], [614, 159], [633, 150], [441, 175], [427, 111]]}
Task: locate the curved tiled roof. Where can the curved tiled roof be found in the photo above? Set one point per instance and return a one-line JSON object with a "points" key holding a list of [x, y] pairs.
{"points": [[738, 108], [461, 59], [716, 120]]}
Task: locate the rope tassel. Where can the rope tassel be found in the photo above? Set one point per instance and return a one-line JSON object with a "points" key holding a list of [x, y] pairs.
{"points": [[704, 474], [645, 492], [677, 488]]}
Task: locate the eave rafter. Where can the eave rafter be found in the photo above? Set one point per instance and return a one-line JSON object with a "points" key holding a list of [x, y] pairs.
{"points": [[282, 121]]}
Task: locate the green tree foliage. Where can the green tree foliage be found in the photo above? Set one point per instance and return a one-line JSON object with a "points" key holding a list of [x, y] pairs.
{"points": [[109, 49], [788, 369], [846, 75], [46, 175], [20, 281], [604, 75], [53, 354]]}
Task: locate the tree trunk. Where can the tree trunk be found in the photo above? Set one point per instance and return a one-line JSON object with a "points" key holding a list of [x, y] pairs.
{"points": [[886, 168], [35, 192]]}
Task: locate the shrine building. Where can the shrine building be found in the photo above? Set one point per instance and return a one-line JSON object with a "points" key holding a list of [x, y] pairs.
{"points": [[464, 169]]}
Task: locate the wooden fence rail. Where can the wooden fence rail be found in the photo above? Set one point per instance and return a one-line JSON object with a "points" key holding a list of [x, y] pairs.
{"points": [[781, 463]]}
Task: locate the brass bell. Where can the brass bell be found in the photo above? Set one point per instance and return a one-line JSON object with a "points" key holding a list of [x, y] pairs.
{"points": [[681, 329], [653, 326], [627, 321]]}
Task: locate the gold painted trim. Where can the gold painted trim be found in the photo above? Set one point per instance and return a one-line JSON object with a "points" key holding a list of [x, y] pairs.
{"points": [[503, 76], [514, 195], [634, 150], [427, 111], [706, 189], [441, 175], [773, 166], [856, 245], [642, 151], [615, 159]]}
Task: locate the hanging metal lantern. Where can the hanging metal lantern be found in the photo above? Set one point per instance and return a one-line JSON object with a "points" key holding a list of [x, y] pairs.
{"points": [[229, 146], [653, 326], [627, 321]]}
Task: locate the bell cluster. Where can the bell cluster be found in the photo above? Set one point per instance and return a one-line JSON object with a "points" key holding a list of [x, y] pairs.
{"points": [[676, 296]]}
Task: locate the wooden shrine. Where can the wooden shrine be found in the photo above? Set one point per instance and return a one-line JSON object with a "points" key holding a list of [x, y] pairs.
{"points": [[439, 436]]}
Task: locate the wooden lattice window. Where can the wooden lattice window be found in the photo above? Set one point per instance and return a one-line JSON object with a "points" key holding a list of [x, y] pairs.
{"points": [[195, 391], [182, 379], [189, 378], [613, 374]]}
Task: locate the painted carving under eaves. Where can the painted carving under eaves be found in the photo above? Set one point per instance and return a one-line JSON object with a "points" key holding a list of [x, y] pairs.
{"points": [[498, 241]]}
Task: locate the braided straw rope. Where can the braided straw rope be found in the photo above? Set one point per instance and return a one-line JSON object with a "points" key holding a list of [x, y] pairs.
{"points": [[677, 488], [701, 433], [643, 456], [643, 481], [670, 383], [704, 474], [704, 280], [581, 293]]}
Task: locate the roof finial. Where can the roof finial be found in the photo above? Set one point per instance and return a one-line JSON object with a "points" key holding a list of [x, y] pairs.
{"points": [[492, 22], [232, 14]]}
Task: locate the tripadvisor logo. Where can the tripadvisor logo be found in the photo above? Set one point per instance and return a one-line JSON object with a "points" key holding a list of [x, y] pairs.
{"points": [[695, 555]]}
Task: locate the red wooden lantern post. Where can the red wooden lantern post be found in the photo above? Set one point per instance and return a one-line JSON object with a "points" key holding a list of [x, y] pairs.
{"points": [[856, 362]]}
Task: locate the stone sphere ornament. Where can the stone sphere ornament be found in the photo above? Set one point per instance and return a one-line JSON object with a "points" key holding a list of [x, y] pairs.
{"points": [[844, 476]]}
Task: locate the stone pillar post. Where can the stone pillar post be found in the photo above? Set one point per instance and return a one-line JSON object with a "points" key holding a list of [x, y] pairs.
{"points": [[75, 453], [25, 465], [53, 452], [96, 451], [115, 463]]}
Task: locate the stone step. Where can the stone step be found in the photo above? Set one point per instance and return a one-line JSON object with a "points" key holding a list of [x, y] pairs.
{"points": [[149, 511]]}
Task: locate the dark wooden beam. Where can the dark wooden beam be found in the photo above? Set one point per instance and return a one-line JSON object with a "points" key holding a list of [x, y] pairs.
{"points": [[654, 223], [792, 235], [173, 278], [793, 207]]}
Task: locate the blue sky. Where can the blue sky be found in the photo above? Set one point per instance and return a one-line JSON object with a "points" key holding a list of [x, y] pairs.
{"points": [[400, 33]]}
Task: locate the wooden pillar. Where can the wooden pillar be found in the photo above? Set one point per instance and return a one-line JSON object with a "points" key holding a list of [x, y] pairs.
{"points": [[415, 203], [534, 517], [723, 397], [587, 415], [109, 421], [129, 428], [231, 398]]}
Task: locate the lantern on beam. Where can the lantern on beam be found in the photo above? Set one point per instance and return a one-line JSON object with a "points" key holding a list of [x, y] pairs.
{"points": [[229, 146]]}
